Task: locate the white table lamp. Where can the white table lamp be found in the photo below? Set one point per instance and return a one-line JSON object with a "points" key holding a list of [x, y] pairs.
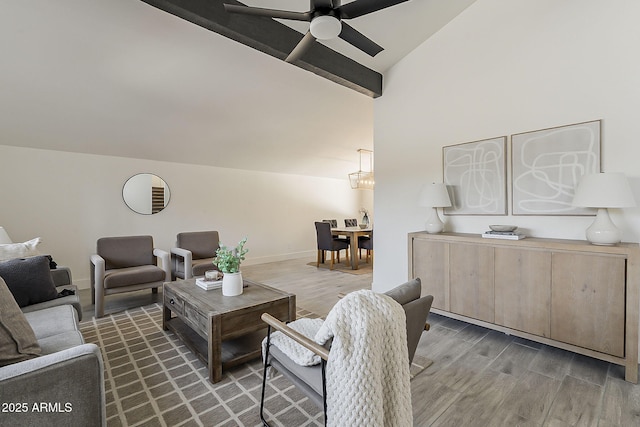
{"points": [[434, 196], [602, 191], [4, 237]]}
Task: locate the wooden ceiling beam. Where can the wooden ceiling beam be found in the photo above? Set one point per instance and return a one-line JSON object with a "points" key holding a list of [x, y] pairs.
{"points": [[275, 39]]}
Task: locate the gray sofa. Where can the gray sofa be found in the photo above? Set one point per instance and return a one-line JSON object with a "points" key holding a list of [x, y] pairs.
{"points": [[67, 378], [65, 384]]}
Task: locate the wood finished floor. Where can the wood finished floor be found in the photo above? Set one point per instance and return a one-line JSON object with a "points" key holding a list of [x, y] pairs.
{"points": [[479, 377]]}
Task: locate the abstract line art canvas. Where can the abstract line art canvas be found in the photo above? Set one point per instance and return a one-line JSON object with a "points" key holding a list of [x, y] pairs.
{"points": [[475, 173], [548, 164]]}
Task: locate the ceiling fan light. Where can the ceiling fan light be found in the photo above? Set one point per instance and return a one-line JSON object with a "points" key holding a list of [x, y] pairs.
{"points": [[325, 27]]}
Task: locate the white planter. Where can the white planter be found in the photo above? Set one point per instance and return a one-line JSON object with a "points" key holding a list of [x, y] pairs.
{"points": [[232, 284]]}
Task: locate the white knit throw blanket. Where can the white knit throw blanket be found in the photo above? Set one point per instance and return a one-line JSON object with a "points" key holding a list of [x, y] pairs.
{"points": [[367, 373]]}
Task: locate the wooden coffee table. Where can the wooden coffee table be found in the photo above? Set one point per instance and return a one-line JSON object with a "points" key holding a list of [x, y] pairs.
{"points": [[223, 331]]}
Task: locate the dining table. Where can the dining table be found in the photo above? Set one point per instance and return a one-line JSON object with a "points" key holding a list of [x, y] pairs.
{"points": [[353, 233]]}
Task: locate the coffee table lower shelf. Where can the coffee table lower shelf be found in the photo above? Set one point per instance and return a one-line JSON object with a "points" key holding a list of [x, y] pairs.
{"points": [[235, 351]]}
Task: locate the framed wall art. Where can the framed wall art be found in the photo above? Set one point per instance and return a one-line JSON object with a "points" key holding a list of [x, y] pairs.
{"points": [[548, 164], [475, 173]]}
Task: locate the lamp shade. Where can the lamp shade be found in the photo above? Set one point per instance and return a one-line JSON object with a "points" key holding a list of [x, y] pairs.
{"points": [[362, 180], [604, 190], [4, 237], [434, 196]]}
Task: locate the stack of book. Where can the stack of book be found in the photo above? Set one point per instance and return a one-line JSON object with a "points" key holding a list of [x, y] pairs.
{"points": [[207, 285], [509, 235]]}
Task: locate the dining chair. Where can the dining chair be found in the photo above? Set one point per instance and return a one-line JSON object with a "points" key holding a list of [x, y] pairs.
{"points": [[326, 242], [333, 222], [366, 243], [351, 222]]}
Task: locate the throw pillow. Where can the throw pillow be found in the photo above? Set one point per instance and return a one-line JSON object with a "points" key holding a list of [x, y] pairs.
{"points": [[19, 250], [29, 280], [17, 339]]}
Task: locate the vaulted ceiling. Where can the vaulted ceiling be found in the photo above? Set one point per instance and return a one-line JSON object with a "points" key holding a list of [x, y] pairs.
{"points": [[125, 78]]}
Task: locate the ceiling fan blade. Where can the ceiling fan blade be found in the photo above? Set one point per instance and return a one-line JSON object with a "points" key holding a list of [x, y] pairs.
{"points": [[359, 40], [301, 47], [268, 13], [362, 7]]}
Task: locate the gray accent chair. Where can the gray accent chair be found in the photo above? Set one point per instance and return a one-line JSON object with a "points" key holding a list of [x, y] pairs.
{"points": [[69, 373], [310, 379], [326, 242], [62, 279], [125, 264], [194, 253]]}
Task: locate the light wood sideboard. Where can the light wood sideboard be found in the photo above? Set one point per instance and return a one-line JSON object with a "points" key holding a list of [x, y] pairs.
{"points": [[568, 294]]}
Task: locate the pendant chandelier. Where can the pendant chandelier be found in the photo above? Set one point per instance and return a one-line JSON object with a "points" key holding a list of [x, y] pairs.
{"points": [[363, 179]]}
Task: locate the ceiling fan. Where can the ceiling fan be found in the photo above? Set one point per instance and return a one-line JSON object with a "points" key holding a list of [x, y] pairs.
{"points": [[326, 17]]}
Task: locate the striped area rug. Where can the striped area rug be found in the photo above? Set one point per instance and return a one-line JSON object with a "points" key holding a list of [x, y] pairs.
{"points": [[153, 379]]}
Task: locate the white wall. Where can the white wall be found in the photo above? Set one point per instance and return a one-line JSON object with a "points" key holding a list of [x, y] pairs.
{"points": [[505, 67], [71, 200]]}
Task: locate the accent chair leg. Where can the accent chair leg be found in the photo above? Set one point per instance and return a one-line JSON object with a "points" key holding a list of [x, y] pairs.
{"points": [[318, 256], [333, 255], [324, 390], [99, 309], [264, 376]]}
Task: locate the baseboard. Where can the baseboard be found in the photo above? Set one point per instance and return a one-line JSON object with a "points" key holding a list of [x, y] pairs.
{"points": [[280, 257]]}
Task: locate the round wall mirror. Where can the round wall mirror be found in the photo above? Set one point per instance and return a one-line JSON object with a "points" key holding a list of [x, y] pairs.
{"points": [[146, 193]]}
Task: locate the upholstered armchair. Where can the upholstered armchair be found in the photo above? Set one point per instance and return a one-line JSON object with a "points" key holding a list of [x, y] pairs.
{"points": [[125, 264], [194, 253], [311, 379]]}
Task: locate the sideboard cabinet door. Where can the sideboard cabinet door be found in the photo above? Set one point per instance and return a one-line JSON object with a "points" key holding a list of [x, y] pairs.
{"points": [[588, 301], [471, 281], [523, 289], [430, 265]]}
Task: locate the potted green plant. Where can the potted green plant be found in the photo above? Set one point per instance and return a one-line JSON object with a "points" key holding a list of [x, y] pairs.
{"points": [[228, 261]]}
